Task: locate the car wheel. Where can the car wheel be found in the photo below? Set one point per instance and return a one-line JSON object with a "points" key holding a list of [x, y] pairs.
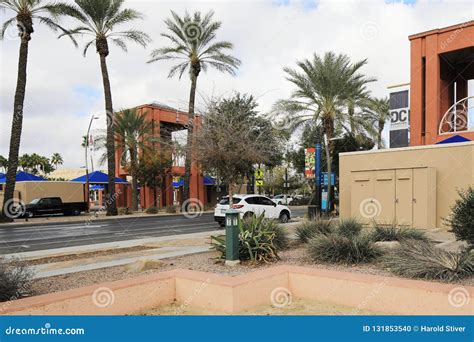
{"points": [[248, 215], [76, 212], [222, 224], [284, 217], [29, 214]]}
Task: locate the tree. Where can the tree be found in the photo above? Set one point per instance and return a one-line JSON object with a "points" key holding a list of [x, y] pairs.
{"points": [[230, 156], [56, 159], [377, 113], [26, 12], [194, 47], [3, 163], [132, 132], [325, 88], [99, 19]]}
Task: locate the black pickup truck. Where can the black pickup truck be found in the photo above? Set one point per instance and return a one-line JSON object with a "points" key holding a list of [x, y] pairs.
{"points": [[52, 206]]}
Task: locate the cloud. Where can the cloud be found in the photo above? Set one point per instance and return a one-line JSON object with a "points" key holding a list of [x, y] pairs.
{"points": [[64, 89]]}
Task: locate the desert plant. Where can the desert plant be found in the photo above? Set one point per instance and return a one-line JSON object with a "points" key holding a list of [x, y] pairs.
{"points": [[392, 232], [310, 228], [151, 210], [15, 279], [281, 240], [257, 240], [337, 248], [420, 259], [170, 209], [123, 211], [349, 227], [461, 219]]}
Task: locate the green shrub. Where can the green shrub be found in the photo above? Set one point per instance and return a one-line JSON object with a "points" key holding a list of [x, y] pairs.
{"points": [[461, 219], [420, 259], [257, 240], [208, 207], [15, 279], [152, 210], [170, 209], [124, 211], [392, 232], [309, 229], [338, 248], [349, 227], [282, 239]]}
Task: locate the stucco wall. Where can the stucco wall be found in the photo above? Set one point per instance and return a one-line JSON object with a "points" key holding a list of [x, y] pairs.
{"points": [[453, 163]]}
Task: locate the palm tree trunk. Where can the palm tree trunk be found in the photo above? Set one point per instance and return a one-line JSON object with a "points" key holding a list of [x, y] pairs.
{"points": [[133, 162], [17, 124], [328, 127], [111, 199], [379, 135], [189, 140]]}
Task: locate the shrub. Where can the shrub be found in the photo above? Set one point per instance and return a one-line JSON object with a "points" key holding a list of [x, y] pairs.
{"points": [[281, 240], [420, 259], [170, 209], [208, 206], [392, 232], [15, 279], [151, 210], [309, 229], [461, 219], [349, 227], [338, 248], [257, 240], [123, 211]]}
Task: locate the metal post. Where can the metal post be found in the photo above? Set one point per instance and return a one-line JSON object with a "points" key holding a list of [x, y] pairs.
{"points": [[87, 164], [232, 237]]}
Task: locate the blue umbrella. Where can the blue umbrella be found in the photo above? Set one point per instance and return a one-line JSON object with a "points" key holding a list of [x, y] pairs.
{"points": [[98, 177], [23, 177]]}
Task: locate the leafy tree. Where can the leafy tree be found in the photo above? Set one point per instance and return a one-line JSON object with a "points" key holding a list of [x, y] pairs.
{"points": [[99, 19], [56, 159], [231, 156], [26, 12], [132, 132], [325, 87], [153, 167], [194, 47], [377, 114]]}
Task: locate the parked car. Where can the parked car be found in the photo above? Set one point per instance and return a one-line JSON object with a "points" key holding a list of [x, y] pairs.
{"points": [[52, 206], [250, 205], [280, 199]]}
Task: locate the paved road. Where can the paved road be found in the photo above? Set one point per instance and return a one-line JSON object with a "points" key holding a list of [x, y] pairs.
{"points": [[31, 237]]}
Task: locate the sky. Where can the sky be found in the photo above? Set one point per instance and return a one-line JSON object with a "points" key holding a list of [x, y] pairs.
{"points": [[64, 89]]}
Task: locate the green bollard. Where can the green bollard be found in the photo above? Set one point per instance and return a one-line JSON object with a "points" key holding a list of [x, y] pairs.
{"points": [[232, 237]]}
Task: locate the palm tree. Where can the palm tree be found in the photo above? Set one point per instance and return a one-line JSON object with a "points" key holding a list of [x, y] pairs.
{"points": [[132, 132], [326, 87], [99, 19], [56, 159], [194, 47], [3, 163], [377, 113], [25, 13]]}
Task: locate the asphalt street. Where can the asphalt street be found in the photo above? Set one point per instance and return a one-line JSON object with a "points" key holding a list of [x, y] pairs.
{"points": [[33, 237]]}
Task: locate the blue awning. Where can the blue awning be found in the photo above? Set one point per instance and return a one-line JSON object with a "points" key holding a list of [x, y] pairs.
{"points": [[23, 177], [96, 187], [178, 184], [453, 139], [208, 180], [98, 177]]}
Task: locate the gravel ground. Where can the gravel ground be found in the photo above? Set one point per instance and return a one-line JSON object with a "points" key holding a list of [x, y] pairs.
{"points": [[200, 262]]}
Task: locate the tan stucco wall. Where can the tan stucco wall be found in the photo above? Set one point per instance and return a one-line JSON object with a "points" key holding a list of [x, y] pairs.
{"points": [[68, 191], [453, 164]]}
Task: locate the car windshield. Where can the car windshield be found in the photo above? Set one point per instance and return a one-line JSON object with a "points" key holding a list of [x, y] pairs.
{"points": [[35, 201], [225, 200]]}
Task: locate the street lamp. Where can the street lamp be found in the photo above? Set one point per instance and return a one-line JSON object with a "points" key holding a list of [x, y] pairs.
{"points": [[93, 117]]}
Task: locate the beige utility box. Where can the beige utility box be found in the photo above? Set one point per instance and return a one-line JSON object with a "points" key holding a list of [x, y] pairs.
{"points": [[414, 186]]}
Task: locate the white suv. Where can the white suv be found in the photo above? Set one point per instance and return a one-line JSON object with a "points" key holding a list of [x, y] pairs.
{"points": [[280, 199], [250, 205]]}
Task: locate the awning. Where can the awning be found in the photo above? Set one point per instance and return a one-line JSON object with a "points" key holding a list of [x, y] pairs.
{"points": [[98, 177], [453, 139], [23, 177], [96, 187]]}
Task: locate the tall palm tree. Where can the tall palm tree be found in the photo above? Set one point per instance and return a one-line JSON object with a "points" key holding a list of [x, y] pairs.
{"points": [[26, 12], [132, 132], [377, 114], [3, 163], [326, 87], [56, 159], [194, 48], [99, 20]]}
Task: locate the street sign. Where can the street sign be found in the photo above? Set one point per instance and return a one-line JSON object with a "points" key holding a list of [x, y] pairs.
{"points": [[324, 178], [309, 160], [259, 182], [258, 174]]}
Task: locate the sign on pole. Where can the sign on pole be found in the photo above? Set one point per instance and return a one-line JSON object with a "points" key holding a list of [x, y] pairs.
{"points": [[259, 182], [259, 177], [309, 162]]}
